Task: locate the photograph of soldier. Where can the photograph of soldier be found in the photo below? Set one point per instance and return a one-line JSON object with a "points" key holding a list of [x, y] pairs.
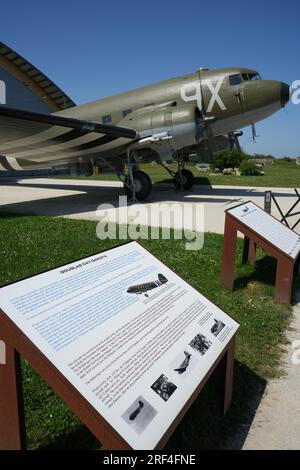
{"points": [[163, 387], [200, 343]]}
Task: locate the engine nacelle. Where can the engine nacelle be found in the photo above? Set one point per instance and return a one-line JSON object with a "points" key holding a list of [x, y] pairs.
{"points": [[179, 122], [175, 127]]}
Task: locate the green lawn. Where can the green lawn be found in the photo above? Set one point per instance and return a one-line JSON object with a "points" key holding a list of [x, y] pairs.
{"points": [[280, 174], [31, 244]]}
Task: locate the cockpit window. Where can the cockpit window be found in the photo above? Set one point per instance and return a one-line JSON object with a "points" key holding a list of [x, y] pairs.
{"points": [[251, 76], [254, 76], [235, 79]]}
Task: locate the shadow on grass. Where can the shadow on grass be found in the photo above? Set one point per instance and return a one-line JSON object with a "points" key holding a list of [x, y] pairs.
{"points": [[264, 271], [79, 438], [204, 427], [10, 215]]}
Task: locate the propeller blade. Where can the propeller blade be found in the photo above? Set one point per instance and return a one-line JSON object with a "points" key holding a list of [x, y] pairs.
{"points": [[254, 135], [232, 143], [237, 143]]}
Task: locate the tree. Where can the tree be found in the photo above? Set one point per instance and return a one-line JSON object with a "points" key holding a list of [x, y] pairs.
{"points": [[227, 159], [249, 168]]}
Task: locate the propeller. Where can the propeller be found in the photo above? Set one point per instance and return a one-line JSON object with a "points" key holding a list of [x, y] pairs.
{"points": [[233, 138], [203, 125], [254, 135]]}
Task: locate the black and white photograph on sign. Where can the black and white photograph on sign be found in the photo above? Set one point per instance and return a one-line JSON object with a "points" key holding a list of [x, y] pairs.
{"points": [[217, 327], [163, 387], [145, 287], [183, 364], [139, 415], [200, 343]]}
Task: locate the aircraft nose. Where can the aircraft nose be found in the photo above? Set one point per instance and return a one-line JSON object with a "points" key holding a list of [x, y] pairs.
{"points": [[284, 94]]}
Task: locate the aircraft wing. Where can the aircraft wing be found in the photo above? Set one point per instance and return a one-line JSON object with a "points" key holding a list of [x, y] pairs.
{"points": [[41, 137]]}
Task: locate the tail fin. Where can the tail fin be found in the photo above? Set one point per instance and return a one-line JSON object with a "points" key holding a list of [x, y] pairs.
{"points": [[162, 278], [23, 86]]}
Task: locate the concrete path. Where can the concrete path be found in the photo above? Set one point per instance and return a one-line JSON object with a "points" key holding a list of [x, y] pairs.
{"points": [[276, 424], [79, 199]]}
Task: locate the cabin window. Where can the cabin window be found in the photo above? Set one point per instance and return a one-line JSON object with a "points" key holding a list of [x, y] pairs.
{"points": [[106, 118], [126, 112], [235, 79]]}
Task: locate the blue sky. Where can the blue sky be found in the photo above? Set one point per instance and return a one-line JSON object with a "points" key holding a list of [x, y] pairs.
{"points": [[94, 49]]}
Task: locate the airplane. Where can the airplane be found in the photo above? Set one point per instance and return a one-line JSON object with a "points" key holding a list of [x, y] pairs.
{"points": [[197, 113], [217, 327], [137, 411], [184, 365], [143, 288]]}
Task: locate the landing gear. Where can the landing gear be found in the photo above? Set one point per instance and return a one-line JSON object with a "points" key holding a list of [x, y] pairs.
{"points": [[137, 184], [184, 179], [139, 187]]}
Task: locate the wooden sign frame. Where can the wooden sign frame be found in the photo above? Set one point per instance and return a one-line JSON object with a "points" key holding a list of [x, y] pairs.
{"points": [[252, 239], [12, 423]]}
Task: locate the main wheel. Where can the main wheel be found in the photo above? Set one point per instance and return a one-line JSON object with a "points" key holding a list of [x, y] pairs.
{"points": [[187, 179], [142, 183]]}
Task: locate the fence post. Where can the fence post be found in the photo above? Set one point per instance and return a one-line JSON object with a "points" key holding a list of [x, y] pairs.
{"points": [[268, 202]]}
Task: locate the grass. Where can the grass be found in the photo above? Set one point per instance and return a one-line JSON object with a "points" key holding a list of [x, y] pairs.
{"points": [[280, 174], [30, 244]]}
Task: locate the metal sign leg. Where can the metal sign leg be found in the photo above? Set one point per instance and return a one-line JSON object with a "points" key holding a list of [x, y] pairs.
{"points": [[229, 249], [12, 428], [229, 374], [284, 280]]}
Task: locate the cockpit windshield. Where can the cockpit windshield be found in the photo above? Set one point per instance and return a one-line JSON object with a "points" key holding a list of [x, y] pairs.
{"points": [[251, 76], [238, 78]]}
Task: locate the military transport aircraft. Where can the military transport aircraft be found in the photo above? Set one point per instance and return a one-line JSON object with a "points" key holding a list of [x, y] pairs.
{"points": [[196, 113], [144, 288]]}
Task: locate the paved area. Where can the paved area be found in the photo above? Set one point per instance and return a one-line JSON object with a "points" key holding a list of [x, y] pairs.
{"points": [[276, 424], [80, 199]]}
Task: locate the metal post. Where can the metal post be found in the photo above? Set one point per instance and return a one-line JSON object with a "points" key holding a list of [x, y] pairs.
{"points": [[12, 427], [229, 250], [268, 202]]}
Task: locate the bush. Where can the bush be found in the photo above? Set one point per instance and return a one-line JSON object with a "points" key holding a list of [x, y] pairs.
{"points": [[248, 168], [226, 159], [286, 159]]}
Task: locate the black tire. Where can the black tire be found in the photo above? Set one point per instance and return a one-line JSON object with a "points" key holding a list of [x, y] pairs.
{"points": [[187, 177], [143, 185]]}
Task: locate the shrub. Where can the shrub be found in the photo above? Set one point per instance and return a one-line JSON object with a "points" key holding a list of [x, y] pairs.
{"points": [[226, 159], [286, 159], [248, 168]]}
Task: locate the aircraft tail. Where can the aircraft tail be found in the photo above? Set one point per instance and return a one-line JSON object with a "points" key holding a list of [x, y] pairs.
{"points": [[23, 86], [162, 278]]}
